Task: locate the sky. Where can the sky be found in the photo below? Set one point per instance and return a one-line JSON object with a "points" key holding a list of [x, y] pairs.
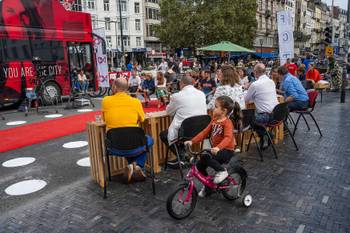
{"points": [[342, 3]]}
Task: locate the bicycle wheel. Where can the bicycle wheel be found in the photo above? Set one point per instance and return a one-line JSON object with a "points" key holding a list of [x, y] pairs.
{"points": [[101, 91], [50, 92], [176, 206], [235, 191]]}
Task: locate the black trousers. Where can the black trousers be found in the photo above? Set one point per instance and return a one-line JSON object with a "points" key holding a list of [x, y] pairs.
{"points": [[214, 161], [164, 138]]}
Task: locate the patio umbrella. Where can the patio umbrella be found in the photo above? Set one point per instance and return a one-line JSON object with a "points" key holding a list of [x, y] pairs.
{"points": [[226, 46]]}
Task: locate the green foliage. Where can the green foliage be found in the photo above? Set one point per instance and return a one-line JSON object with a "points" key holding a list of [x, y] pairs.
{"points": [[196, 23]]}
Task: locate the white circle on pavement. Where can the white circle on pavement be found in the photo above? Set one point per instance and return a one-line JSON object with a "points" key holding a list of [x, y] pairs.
{"points": [[18, 162], [25, 187], [16, 123], [85, 110], [53, 115], [77, 144], [84, 162]]}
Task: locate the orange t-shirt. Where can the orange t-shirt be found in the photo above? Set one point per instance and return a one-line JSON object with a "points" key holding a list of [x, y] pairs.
{"points": [[221, 134]]}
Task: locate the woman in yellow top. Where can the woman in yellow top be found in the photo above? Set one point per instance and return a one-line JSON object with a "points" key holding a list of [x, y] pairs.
{"points": [[122, 110]]}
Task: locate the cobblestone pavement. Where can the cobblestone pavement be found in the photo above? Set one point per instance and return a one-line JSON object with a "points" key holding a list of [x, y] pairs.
{"points": [[304, 191]]}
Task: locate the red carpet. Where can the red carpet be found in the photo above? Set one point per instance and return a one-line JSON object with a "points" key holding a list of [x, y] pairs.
{"points": [[26, 135]]}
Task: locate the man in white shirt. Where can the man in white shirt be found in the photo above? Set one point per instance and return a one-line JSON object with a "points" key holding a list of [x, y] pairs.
{"points": [[184, 104], [263, 93], [163, 66], [134, 82]]}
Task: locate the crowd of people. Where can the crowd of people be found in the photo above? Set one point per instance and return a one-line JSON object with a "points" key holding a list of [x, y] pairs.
{"points": [[220, 89]]}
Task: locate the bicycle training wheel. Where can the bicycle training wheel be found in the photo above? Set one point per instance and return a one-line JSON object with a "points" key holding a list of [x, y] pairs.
{"points": [[177, 205], [234, 192]]}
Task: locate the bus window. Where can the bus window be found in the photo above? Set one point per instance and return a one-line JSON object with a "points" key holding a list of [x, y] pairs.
{"points": [[80, 55]]}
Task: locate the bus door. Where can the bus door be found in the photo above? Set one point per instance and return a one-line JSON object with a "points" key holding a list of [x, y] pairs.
{"points": [[81, 57]]}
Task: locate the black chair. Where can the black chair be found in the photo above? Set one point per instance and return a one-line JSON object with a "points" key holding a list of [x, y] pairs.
{"points": [[278, 116], [190, 127], [312, 102], [247, 122], [126, 139]]}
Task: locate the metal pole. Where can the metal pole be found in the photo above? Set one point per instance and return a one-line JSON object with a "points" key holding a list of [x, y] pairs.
{"points": [[332, 23], [121, 33], [346, 56], [116, 44]]}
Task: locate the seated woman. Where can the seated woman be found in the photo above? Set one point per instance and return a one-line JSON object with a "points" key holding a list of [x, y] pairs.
{"points": [[83, 81], [243, 77], [161, 89], [148, 88], [229, 87]]}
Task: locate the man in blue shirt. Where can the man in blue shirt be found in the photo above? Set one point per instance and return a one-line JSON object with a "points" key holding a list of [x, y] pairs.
{"points": [[294, 92]]}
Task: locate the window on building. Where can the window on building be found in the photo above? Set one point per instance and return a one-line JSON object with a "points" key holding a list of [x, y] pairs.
{"points": [[123, 5], [107, 23], [125, 24], [260, 5], [150, 30], [138, 41], [109, 41], [106, 5], [126, 41], [153, 1], [152, 13], [91, 4], [77, 6], [94, 21], [260, 22], [137, 7], [137, 24]]}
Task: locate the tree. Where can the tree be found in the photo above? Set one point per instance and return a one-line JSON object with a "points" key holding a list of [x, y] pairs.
{"points": [[195, 23]]}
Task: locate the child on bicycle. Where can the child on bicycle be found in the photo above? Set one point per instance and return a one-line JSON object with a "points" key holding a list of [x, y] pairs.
{"points": [[222, 139]]}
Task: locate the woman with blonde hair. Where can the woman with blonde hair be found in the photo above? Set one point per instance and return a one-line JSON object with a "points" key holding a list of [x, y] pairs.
{"points": [[229, 87]]}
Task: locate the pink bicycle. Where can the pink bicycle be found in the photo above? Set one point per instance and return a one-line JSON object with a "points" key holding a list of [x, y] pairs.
{"points": [[182, 201]]}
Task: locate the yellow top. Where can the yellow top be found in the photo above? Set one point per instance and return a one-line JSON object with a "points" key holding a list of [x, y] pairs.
{"points": [[122, 110]]}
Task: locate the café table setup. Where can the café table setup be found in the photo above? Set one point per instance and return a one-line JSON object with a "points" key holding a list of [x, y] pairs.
{"points": [[154, 123]]}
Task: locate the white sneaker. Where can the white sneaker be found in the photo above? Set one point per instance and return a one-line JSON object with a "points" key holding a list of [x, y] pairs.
{"points": [[202, 193], [220, 176], [237, 150]]}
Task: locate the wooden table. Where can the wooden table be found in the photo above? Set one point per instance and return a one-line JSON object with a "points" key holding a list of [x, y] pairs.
{"points": [[153, 125], [322, 85]]}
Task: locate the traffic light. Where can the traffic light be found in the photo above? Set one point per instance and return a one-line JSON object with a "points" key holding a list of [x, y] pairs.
{"points": [[328, 35]]}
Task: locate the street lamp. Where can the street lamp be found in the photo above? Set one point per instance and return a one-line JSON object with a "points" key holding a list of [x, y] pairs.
{"points": [[261, 44]]}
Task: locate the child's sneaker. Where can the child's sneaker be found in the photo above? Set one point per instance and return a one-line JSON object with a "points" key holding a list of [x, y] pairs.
{"points": [[220, 176], [203, 192]]}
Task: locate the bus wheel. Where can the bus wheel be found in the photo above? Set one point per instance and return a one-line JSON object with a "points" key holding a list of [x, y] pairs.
{"points": [[50, 93]]}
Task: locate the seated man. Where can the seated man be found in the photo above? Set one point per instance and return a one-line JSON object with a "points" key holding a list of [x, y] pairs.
{"points": [[134, 82], [313, 74], [294, 92], [121, 110], [186, 103], [263, 93]]}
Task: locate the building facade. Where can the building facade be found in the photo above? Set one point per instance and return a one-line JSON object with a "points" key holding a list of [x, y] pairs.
{"points": [[105, 14]]}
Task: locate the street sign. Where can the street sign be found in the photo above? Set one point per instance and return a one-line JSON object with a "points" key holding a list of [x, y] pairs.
{"points": [[329, 51]]}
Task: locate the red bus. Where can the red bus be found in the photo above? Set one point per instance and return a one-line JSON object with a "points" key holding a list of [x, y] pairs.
{"points": [[44, 29]]}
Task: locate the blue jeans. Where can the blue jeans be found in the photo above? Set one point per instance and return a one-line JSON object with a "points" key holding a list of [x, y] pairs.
{"points": [[129, 155], [298, 105], [261, 118]]}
